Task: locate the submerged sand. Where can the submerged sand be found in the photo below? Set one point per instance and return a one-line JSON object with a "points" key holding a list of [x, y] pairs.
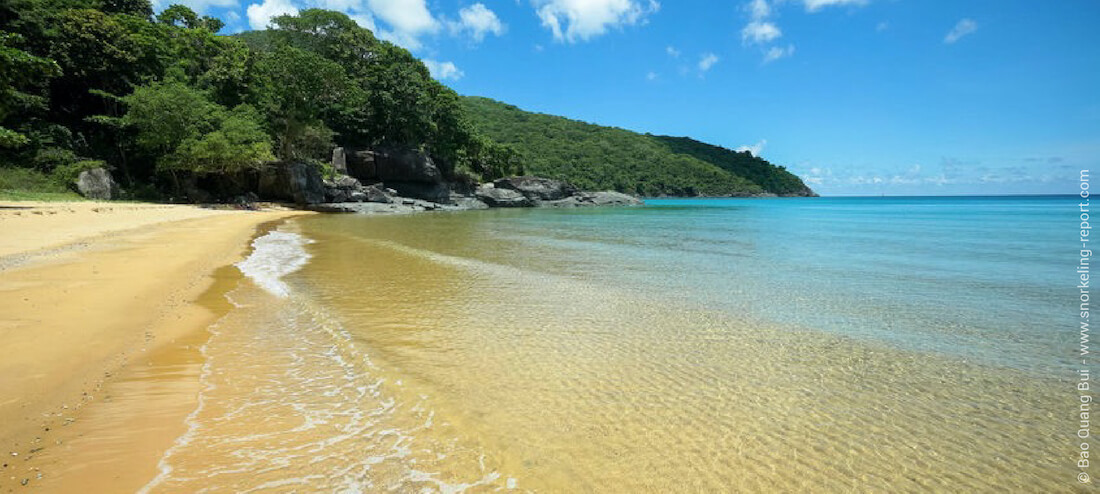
{"points": [[97, 299]]}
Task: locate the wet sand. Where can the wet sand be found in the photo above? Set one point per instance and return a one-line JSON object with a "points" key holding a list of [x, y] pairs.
{"points": [[100, 302]]}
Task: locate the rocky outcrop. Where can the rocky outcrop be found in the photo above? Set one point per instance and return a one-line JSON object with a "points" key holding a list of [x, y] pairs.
{"points": [[358, 163], [405, 165], [502, 198], [346, 189], [429, 191], [410, 172], [537, 188], [97, 183], [296, 181], [398, 206], [605, 198]]}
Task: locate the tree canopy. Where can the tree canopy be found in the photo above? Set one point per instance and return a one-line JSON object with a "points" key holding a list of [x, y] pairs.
{"points": [[157, 97], [597, 157]]}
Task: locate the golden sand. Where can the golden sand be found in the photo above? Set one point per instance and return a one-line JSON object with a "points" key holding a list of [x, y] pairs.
{"points": [[95, 300]]}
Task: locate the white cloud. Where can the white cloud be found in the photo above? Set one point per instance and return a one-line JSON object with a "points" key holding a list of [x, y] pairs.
{"points": [[443, 70], [651, 76], [707, 61], [882, 26], [759, 9], [672, 52], [405, 16], [477, 20], [758, 32], [755, 149], [816, 5], [260, 14], [364, 21], [962, 28], [775, 53], [580, 20]]}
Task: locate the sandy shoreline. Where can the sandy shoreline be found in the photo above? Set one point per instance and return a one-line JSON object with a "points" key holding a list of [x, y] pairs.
{"points": [[98, 300]]}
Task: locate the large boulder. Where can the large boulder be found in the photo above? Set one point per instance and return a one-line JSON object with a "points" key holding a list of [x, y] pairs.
{"points": [[537, 188], [359, 163], [296, 181], [340, 161], [437, 192], [343, 188], [97, 184], [405, 165], [502, 198]]}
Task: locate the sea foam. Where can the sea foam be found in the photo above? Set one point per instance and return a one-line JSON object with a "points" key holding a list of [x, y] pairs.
{"points": [[273, 256]]}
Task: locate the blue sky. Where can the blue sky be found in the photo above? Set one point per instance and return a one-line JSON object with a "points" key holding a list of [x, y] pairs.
{"points": [[856, 96]]}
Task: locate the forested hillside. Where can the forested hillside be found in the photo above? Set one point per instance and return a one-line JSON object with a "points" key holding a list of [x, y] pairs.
{"points": [[164, 99], [164, 102], [597, 157]]}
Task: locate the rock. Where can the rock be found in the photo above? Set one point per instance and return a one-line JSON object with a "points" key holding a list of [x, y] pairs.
{"points": [[468, 203], [297, 181], [246, 201], [537, 188], [428, 191], [97, 184], [347, 189], [404, 205], [340, 161], [502, 198], [360, 164], [405, 165], [375, 193], [605, 198]]}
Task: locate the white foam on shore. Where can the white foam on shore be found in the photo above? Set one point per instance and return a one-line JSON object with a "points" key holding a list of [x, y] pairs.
{"points": [[273, 256]]}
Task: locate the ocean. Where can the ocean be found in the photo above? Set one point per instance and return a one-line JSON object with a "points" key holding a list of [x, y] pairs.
{"points": [[691, 345]]}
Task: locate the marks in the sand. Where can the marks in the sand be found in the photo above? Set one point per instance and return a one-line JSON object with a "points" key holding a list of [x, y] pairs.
{"points": [[25, 258]]}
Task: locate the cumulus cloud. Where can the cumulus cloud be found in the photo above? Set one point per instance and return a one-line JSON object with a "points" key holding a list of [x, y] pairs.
{"points": [[816, 5], [776, 52], [762, 31], [755, 149], [759, 9], [477, 20], [759, 32], [580, 20], [961, 29], [365, 21], [651, 76], [405, 16], [443, 70], [707, 61], [672, 52], [260, 14]]}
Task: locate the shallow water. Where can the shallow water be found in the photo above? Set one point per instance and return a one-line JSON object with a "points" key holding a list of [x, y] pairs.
{"points": [[712, 345]]}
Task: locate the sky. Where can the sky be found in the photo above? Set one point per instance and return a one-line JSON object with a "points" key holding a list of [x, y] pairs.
{"points": [[858, 97]]}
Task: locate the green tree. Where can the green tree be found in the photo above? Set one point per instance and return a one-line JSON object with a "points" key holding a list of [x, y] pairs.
{"points": [[22, 78], [238, 142], [297, 89]]}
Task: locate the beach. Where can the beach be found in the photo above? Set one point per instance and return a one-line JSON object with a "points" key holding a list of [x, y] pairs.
{"points": [[88, 293], [549, 350]]}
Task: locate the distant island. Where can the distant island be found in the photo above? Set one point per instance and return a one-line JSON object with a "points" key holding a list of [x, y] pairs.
{"points": [[109, 99]]}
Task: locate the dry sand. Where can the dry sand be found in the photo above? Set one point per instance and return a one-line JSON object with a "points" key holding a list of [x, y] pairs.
{"points": [[103, 307]]}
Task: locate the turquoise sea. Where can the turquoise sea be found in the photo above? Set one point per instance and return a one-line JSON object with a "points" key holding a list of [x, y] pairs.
{"points": [[690, 345]]}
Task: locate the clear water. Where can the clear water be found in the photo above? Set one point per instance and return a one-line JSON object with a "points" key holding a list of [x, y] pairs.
{"points": [[835, 344]]}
